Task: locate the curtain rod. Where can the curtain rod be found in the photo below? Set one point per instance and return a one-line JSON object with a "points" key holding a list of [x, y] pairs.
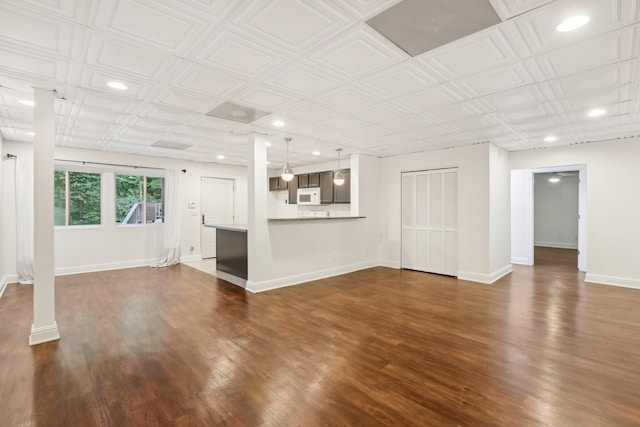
{"points": [[107, 164]]}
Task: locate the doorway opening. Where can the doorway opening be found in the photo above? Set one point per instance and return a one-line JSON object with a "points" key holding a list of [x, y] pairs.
{"points": [[217, 208], [548, 216]]}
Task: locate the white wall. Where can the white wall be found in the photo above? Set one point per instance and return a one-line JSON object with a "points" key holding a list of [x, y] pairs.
{"points": [[556, 211], [613, 228], [499, 215], [476, 258], [3, 204], [297, 251], [522, 217], [93, 248]]}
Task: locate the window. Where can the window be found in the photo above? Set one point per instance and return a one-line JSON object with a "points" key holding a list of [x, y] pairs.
{"points": [[76, 198], [139, 199]]}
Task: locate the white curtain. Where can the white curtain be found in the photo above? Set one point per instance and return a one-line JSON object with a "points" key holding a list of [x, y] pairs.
{"points": [[24, 219], [171, 220]]}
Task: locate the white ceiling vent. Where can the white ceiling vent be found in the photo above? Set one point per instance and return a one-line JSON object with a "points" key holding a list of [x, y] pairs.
{"points": [[237, 113], [171, 145], [418, 26]]}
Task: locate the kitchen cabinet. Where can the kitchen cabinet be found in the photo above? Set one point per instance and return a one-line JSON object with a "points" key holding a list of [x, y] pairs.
{"points": [[293, 190], [326, 187], [276, 183], [342, 193], [314, 179], [303, 180]]}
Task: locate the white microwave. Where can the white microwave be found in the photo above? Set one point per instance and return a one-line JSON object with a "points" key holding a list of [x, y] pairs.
{"points": [[309, 196]]}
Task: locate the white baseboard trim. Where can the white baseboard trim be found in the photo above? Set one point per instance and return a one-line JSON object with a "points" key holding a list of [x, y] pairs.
{"points": [[389, 263], [282, 282], [485, 278], [238, 281], [612, 281], [44, 334], [190, 258], [9, 278], [521, 260], [559, 245], [91, 268]]}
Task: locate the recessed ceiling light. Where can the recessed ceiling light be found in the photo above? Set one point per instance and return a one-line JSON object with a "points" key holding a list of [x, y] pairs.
{"points": [[597, 112], [220, 157], [31, 133], [316, 153], [268, 144], [268, 163], [551, 138], [27, 102], [573, 23], [278, 123], [117, 86]]}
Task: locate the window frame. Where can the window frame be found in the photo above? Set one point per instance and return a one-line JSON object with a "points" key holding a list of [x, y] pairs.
{"points": [[144, 177], [67, 199]]}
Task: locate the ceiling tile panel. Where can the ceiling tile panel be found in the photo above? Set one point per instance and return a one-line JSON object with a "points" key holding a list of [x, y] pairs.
{"points": [[510, 8], [365, 9], [429, 99], [594, 79], [357, 53], [538, 28], [261, 97], [202, 80], [23, 27], [165, 28], [348, 98], [488, 48], [31, 66], [304, 80], [495, 80], [400, 80], [305, 22], [310, 111], [382, 112], [117, 56], [239, 52], [512, 98], [599, 51]]}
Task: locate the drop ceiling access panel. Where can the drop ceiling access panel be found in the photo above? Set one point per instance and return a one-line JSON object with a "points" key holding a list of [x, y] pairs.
{"points": [[430, 221]]}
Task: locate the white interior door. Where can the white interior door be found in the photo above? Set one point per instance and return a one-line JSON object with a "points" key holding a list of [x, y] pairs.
{"points": [[216, 203], [429, 221]]}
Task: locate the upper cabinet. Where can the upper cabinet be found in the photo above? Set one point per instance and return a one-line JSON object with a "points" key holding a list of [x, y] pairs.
{"points": [[326, 187], [314, 179], [277, 183], [342, 193], [293, 190], [303, 180]]}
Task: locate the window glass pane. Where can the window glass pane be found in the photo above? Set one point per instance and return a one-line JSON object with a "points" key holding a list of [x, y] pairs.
{"points": [[59, 198], [155, 205], [129, 194], [84, 198]]}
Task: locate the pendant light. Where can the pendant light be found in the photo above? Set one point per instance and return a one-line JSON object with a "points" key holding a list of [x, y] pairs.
{"points": [[338, 178], [287, 172]]}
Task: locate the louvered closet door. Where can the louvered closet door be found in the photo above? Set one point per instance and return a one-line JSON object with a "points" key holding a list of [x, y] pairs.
{"points": [[429, 221]]}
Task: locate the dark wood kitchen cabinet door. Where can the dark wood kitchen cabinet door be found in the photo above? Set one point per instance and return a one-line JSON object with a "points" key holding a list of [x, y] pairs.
{"points": [[326, 187], [342, 193]]}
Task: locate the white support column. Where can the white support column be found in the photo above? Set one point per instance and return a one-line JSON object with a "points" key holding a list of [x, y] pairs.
{"points": [[258, 251], [44, 326]]}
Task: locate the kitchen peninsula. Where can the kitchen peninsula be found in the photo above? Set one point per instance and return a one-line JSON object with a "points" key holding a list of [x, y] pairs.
{"points": [[231, 253]]}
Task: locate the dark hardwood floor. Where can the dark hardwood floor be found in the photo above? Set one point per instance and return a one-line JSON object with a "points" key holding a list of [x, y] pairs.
{"points": [[175, 346]]}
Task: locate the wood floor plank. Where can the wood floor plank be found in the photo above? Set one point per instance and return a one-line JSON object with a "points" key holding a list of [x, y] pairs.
{"points": [[175, 346]]}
